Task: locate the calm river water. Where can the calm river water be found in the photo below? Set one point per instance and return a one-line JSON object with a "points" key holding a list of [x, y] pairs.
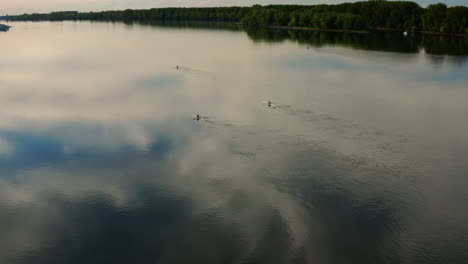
{"points": [[360, 158]]}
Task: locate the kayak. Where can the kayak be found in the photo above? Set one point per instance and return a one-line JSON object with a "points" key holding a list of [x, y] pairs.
{"points": [[270, 105]]}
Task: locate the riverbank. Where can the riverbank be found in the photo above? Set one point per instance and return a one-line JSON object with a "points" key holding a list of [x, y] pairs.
{"points": [[442, 34], [421, 32], [319, 29], [366, 31]]}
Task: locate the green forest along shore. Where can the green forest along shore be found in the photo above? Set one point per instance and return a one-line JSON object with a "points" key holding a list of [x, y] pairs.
{"points": [[358, 16]]}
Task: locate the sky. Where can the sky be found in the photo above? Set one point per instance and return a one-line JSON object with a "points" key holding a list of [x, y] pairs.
{"points": [[44, 6]]}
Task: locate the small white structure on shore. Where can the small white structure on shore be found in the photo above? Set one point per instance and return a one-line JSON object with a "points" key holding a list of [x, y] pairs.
{"points": [[405, 33]]}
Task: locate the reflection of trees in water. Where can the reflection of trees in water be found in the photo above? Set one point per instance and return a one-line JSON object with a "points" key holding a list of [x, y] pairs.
{"points": [[442, 45], [377, 41], [188, 24]]}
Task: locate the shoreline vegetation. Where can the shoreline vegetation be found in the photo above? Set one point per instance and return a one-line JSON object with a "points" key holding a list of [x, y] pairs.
{"points": [[357, 17]]}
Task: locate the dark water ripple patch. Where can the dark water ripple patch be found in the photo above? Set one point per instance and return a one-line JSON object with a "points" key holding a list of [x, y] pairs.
{"points": [[96, 231], [360, 227], [372, 138]]}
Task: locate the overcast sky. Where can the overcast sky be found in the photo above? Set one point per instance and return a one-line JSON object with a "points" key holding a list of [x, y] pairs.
{"points": [[29, 6]]}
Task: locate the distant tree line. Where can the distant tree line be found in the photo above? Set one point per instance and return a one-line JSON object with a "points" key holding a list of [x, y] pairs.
{"points": [[220, 14], [367, 15]]}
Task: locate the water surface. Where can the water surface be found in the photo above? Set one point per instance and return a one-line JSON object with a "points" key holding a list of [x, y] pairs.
{"points": [[361, 158]]}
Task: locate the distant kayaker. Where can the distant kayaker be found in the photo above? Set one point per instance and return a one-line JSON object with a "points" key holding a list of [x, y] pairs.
{"points": [[4, 28], [269, 103], [177, 67]]}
